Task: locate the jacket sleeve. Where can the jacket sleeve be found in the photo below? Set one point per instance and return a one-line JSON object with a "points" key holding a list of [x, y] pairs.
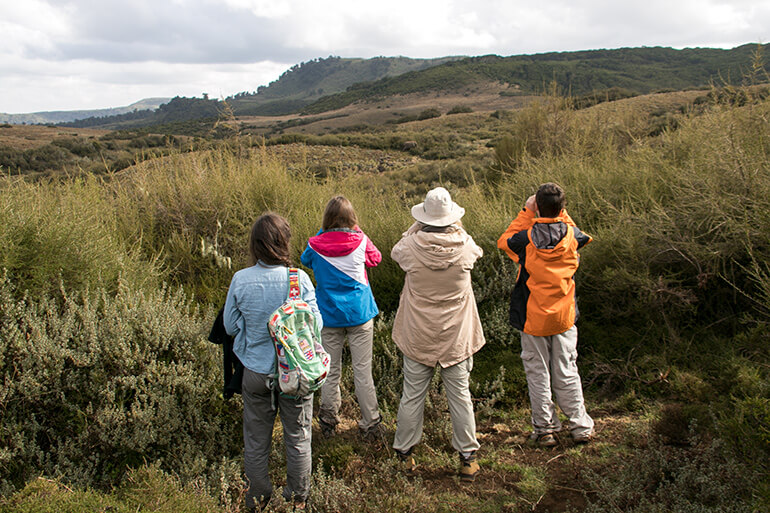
{"points": [[581, 237], [307, 257], [474, 253], [308, 295], [231, 316], [523, 221], [373, 255]]}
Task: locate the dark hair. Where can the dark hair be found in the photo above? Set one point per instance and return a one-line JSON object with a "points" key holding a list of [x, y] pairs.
{"points": [[550, 200], [339, 213], [269, 241]]}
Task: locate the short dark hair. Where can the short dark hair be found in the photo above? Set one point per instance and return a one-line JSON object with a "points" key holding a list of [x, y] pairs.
{"points": [[339, 213], [550, 199], [269, 241]]}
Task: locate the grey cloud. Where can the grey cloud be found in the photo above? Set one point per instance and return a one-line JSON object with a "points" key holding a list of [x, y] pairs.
{"points": [[142, 30]]}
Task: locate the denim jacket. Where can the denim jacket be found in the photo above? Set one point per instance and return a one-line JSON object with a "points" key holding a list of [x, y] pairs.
{"points": [[255, 292]]}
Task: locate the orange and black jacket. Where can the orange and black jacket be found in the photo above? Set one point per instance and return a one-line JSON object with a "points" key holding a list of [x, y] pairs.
{"points": [[543, 300]]}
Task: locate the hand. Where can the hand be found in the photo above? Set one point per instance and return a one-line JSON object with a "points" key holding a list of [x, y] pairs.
{"points": [[531, 203]]}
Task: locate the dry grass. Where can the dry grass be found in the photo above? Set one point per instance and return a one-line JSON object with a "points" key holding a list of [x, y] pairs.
{"points": [[25, 137]]}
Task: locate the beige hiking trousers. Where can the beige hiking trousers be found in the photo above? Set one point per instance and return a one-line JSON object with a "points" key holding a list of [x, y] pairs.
{"points": [[551, 367], [360, 342], [417, 379]]}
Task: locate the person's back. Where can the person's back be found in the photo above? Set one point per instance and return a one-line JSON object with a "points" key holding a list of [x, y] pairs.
{"points": [[254, 293], [437, 323], [339, 255], [544, 240], [438, 295]]}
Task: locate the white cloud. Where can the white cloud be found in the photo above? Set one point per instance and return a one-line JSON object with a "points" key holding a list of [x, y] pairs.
{"points": [[83, 84], [74, 53]]}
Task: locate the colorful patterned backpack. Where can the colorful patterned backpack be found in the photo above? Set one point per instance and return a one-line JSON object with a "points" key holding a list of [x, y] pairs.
{"points": [[302, 362]]}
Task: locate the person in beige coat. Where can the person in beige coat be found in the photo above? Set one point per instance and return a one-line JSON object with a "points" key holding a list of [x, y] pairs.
{"points": [[437, 323]]}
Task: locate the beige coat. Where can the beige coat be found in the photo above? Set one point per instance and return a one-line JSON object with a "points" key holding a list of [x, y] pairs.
{"points": [[437, 319]]}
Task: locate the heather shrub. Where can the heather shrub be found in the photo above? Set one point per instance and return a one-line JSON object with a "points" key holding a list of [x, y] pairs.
{"points": [[655, 479], [95, 384]]}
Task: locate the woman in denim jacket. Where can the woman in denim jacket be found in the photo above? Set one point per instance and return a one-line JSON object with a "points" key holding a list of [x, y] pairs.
{"points": [[255, 292]]}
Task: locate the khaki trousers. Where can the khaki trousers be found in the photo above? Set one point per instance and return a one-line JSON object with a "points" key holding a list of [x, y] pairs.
{"points": [[360, 342], [417, 379], [551, 367]]}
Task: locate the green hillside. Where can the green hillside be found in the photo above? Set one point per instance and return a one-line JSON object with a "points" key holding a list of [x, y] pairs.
{"points": [[297, 87], [309, 81], [641, 70], [326, 84]]}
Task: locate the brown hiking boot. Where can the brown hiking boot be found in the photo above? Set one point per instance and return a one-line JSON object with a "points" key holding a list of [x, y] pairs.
{"points": [[376, 433], [581, 438], [543, 439], [406, 460], [328, 429], [469, 467]]}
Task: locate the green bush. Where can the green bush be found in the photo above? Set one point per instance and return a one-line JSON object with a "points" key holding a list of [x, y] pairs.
{"points": [[460, 109], [428, 114], [658, 479], [95, 384]]}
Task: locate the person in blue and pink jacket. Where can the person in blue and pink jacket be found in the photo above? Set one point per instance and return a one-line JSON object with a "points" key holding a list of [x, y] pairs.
{"points": [[339, 255]]}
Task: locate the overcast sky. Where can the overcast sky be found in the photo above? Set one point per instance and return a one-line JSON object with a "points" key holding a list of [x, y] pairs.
{"points": [[87, 54]]}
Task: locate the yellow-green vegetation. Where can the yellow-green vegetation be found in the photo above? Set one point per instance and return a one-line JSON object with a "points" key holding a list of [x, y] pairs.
{"points": [[110, 285]]}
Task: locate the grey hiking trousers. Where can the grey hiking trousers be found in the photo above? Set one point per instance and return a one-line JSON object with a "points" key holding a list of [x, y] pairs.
{"points": [[551, 367], [260, 405]]}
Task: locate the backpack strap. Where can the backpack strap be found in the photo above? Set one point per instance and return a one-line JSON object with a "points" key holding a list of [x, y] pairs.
{"points": [[295, 292]]}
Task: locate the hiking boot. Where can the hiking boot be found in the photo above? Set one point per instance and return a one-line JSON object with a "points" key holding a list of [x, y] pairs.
{"points": [[328, 429], [581, 438], [375, 433], [406, 460], [543, 439], [469, 467]]}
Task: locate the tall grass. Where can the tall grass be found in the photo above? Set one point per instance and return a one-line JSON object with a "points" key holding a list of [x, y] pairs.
{"points": [[674, 291]]}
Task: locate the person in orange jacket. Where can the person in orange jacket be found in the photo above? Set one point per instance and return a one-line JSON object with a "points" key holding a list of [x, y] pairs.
{"points": [[544, 240]]}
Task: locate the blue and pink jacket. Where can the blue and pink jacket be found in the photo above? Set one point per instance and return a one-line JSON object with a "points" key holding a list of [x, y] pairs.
{"points": [[339, 259]]}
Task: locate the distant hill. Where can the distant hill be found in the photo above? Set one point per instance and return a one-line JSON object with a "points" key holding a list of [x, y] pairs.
{"points": [[298, 86], [306, 82], [63, 116], [639, 70], [323, 85]]}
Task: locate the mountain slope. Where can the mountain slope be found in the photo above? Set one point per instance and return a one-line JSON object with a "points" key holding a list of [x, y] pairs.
{"points": [[641, 70], [306, 82]]}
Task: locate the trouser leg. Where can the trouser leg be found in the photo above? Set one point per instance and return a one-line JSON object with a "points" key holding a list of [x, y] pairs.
{"points": [[458, 395], [296, 418], [536, 356], [258, 420], [333, 340], [566, 382], [360, 340], [411, 408]]}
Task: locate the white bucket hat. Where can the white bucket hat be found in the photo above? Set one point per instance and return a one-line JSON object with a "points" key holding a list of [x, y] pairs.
{"points": [[438, 209]]}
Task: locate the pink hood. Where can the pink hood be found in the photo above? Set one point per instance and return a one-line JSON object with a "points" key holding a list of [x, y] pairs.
{"points": [[336, 244]]}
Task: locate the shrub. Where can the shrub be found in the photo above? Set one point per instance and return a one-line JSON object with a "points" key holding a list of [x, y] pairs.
{"points": [[96, 384], [654, 479], [65, 233], [460, 109], [428, 114]]}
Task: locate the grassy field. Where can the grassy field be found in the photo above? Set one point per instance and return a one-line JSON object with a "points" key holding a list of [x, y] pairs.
{"points": [[110, 283]]}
